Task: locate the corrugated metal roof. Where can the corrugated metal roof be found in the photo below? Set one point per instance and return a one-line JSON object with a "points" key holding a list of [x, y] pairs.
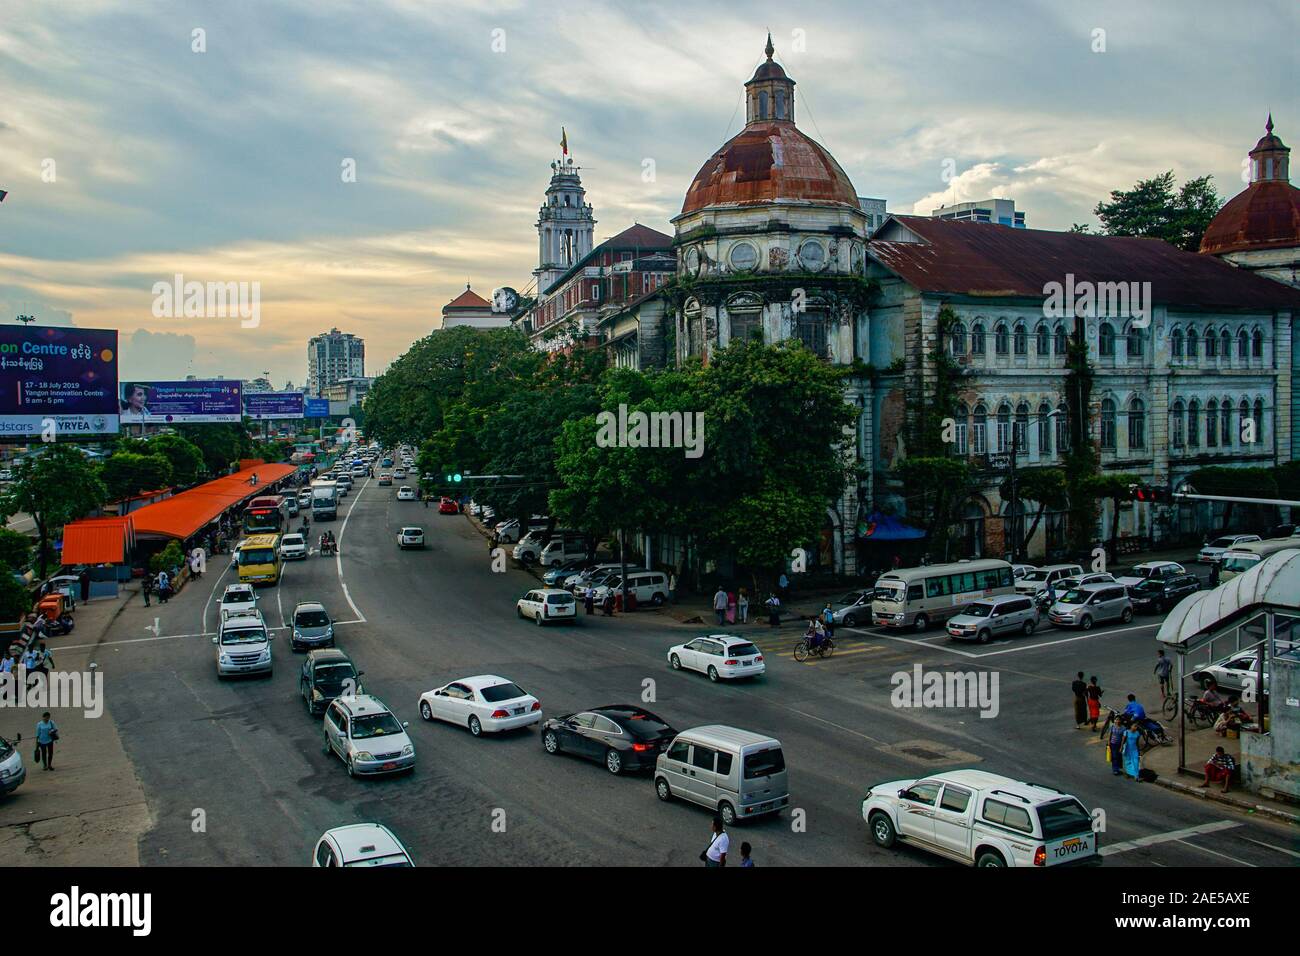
{"points": [[1265, 215], [981, 259], [1273, 582], [97, 541], [183, 515]]}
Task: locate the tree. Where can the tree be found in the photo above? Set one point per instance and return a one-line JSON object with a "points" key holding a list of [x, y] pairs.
{"points": [[1116, 488], [185, 458], [1046, 486], [15, 601], [15, 550], [221, 445], [1152, 208], [1236, 483], [936, 487], [54, 487], [127, 474]]}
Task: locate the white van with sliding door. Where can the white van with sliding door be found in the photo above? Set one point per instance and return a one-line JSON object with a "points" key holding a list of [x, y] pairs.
{"points": [[735, 773]]}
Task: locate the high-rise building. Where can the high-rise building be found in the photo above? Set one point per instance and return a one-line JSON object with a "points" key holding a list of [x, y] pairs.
{"points": [[332, 356], [1001, 212], [876, 212]]}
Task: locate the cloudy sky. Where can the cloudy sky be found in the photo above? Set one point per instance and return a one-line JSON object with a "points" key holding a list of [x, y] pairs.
{"points": [[129, 157]]}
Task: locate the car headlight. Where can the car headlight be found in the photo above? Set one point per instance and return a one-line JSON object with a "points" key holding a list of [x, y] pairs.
{"points": [[297, 634], [408, 750], [224, 658], [365, 755], [7, 773], [265, 655], [329, 631]]}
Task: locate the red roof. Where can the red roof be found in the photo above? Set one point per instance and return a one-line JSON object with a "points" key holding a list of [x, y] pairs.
{"points": [[469, 299], [769, 162], [982, 259], [1265, 215], [98, 541], [183, 515]]}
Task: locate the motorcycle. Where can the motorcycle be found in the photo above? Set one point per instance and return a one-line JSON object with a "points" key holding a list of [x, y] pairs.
{"points": [[804, 649], [1151, 733], [58, 626]]}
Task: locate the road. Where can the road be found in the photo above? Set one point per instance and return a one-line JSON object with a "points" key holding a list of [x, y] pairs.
{"points": [[246, 754]]}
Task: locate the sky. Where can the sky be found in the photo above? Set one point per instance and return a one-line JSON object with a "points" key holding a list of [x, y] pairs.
{"points": [[135, 149]]}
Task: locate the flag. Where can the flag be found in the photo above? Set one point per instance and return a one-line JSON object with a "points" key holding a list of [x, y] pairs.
{"points": [[564, 141], [3, 193]]}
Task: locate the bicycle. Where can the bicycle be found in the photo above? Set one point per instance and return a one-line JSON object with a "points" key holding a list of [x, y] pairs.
{"points": [[1169, 705], [825, 649]]}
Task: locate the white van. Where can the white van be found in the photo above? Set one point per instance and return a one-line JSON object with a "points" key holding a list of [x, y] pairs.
{"points": [[560, 551], [243, 645], [648, 586], [738, 774], [1037, 580]]}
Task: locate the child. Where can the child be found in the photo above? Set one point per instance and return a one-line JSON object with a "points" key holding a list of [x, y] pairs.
{"points": [[744, 855]]}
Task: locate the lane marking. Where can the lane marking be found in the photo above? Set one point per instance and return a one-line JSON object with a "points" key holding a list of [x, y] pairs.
{"points": [[1170, 837], [1269, 846], [1015, 649], [338, 556], [1206, 849]]}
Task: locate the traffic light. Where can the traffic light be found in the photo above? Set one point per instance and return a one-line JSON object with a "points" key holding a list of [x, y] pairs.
{"points": [[1148, 493], [454, 477]]}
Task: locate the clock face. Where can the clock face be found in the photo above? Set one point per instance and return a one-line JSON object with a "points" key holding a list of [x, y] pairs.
{"points": [[504, 300]]}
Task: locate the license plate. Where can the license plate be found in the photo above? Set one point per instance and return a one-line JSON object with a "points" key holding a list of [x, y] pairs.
{"points": [[517, 711], [390, 766], [746, 663]]}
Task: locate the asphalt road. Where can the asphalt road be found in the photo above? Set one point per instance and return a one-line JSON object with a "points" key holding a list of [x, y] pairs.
{"points": [[246, 754]]}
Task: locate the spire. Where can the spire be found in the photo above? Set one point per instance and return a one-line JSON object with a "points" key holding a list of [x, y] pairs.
{"points": [[769, 94], [1268, 127], [769, 50], [1270, 159]]}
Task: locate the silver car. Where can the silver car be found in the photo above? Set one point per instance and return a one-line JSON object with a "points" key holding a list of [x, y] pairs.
{"points": [[1091, 604], [997, 616], [312, 626], [363, 733]]}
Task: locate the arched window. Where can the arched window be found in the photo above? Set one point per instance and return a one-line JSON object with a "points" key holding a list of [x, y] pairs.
{"points": [[1257, 344], [1211, 344], [1212, 424], [1243, 416], [1043, 343], [958, 339], [1134, 344], [1001, 341], [1259, 419], [1243, 345], [1225, 431], [1021, 337], [780, 104], [1022, 428], [762, 104], [1176, 343], [1194, 423], [1225, 345], [1044, 429], [1108, 424], [1178, 424], [1106, 340], [1193, 343], [1003, 439], [977, 339], [979, 432], [1062, 340], [960, 446], [1137, 425], [1062, 429]]}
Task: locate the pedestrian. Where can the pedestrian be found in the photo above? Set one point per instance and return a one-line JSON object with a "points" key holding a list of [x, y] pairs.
{"points": [[1163, 666], [608, 604], [745, 851], [742, 606], [46, 734], [589, 599], [44, 659], [1214, 574], [731, 607], [196, 564], [672, 586], [783, 587], [1219, 768], [84, 581], [1115, 745], [1051, 593], [719, 843], [162, 584], [720, 605], [828, 620], [1132, 756], [773, 610], [1094, 693], [28, 660], [1080, 691]]}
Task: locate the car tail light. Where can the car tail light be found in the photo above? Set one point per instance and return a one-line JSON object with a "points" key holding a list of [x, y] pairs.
{"points": [[537, 705], [499, 714], [1040, 856], [641, 748], [759, 658], [731, 663]]}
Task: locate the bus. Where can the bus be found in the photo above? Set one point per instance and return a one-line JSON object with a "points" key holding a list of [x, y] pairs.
{"points": [[258, 558], [1243, 557], [266, 514], [919, 597]]}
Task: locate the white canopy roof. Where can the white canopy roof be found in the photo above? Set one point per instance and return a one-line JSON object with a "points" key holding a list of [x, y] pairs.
{"points": [[1274, 581]]}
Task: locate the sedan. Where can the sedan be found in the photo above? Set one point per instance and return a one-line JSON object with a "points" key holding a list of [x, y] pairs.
{"points": [[238, 598], [721, 656], [385, 479], [312, 626], [399, 473], [557, 577], [1233, 674], [293, 547], [410, 538], [485, 704], [853, 607], [406, 493], [448, 506], [620, 736], [360, 844], [1161, 594], [1212, 553]]}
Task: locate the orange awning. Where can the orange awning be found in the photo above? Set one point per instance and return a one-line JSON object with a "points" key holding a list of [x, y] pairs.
{"points": [[97, 541], [184, 515]]}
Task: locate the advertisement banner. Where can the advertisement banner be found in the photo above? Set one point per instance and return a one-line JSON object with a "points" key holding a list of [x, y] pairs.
{"points": [[57, 382], [318, 408], [275, 405], [162, 403]]}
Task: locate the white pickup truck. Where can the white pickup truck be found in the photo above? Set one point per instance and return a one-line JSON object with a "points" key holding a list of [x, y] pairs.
{"points": [[982, 819]]}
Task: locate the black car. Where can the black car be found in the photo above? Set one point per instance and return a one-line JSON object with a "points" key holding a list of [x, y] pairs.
{"points": [[1161, 594], [620, 736], [327, 673]]}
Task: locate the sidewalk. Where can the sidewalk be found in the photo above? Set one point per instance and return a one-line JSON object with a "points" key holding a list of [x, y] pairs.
{"points": [[90, 810]]}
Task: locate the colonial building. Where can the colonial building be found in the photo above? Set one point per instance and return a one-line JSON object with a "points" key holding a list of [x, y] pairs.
{"points": [[470, 308]]}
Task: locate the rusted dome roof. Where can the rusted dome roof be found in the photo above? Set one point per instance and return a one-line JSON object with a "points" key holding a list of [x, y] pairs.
{"points": [[769, 162], [1265, 215]]}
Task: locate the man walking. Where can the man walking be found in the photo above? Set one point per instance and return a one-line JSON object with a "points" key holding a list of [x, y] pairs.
{"points": [[589, 599], [146, 588], [1080, 690], [719, 844], [46, 734], [1163, 666], [720, 605], [1115, 746]]}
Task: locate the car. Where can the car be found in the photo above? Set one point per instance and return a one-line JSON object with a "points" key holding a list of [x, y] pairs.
{"points": [[291, 502], [982, 819], [304, 497], [387, 462], [485, 704], [474, 508], [1090, 577], [1234, 674], [12, 771], [243, 645], [555, 577], [623, 737], [547, 605], [399, 473], [1161, 594], [488, 515], [738, 774], [1091, 604], [1037, 579], [360, 844], [997, 616], [507, 531], [362, 732], [1212, 553], [1150, 569], [721, 656], [647, 587], [293, 547], [6, 474], [1018, 571], [448, 506], [410, 537], [234, 554], [852, 608], [594, 575], [385, 479], [312, 626], [237, 598], [406, 493], [1284, 531], [326, 674]]}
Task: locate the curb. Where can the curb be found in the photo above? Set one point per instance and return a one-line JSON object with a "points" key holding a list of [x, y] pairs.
{"points": [[1206, 793]]}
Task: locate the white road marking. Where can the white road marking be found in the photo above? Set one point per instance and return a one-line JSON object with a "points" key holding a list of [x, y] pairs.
{"points": [[1171, 836], [338, 555], [1016, 649], [1280, 849], [1206, 849]]}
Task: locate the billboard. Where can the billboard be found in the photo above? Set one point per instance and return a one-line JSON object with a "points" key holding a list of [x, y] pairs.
{"points": [[57, 381], [163, 403], [263, 405], [318, 408]]}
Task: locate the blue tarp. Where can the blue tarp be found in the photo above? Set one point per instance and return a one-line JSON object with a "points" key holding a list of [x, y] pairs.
{"points": [[881, 527]]}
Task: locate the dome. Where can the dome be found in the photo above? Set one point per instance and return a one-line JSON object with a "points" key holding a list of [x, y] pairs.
{"points": [[769, 162], [1265, 215]]}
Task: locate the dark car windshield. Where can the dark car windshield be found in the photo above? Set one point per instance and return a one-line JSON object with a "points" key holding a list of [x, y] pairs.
{"points": [[1063, 818], [1074, 597], [375, 725], [257, 556], [311, 619], [977, 610], [500, 692], [763, 763], [333, 675], [248, 635]]}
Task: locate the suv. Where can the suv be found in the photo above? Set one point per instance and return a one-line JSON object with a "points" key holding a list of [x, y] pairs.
{"points": [[312, 626], [1161, 594], [995, 616], [367, 737], [982, 819], [243, 644], [1158, 570], [325, 676], [410, 537], [1212, 552], [1092, 604], [1037, 579]]}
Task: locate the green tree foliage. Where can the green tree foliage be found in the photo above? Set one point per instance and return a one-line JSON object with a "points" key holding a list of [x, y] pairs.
{"points": [[15, 549], [1287, 477], [1154, 208], [1237, 482], [169, 557], [935, 488], [1045, 486], [54, 487], [15, 601], [221, 445], [185, 458], [126, 474], [1114, 487]]}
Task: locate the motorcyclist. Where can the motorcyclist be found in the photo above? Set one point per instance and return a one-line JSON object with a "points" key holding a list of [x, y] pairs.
{"points": [[815, 634]]}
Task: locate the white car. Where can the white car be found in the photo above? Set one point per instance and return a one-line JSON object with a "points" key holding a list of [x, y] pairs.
{"points": [[360, 844], [238, 598], [406, 493], [1212, 553], [1148, 570], [399, 473], [982, 819], [1233, 674], [721, 656], [1018, 571], [410, 538], [485, 704], [6, 474], [293, 547], [547, 605]]}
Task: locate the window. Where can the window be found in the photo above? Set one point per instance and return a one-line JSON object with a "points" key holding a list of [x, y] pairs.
{"points": [[938, 587], [762, 104], [780, 104], [955, 799], [1134, 345], [958, 339], [959, 433], [1177, 423], [979, 430], [1137, 425], [1191, 343], [1106, 340], [1194, 424], [1108, 424], [1243, 416], [1212, 424], [1225, 430], [1021, 339], [977, 339], [922, 793], [1176, 343], [1003, 814], [1062, 340], [1001, 341], [1043, 345], [745, 326], [1044, 429], [1211, 344], [1062, 429], [744, 256], [1257, 344], [810, 327], [724, 764], [1259, 419], [1022, 428], [811, 255], [1225, 345], [702, 758], [1004, 427], [1243, 345]]}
